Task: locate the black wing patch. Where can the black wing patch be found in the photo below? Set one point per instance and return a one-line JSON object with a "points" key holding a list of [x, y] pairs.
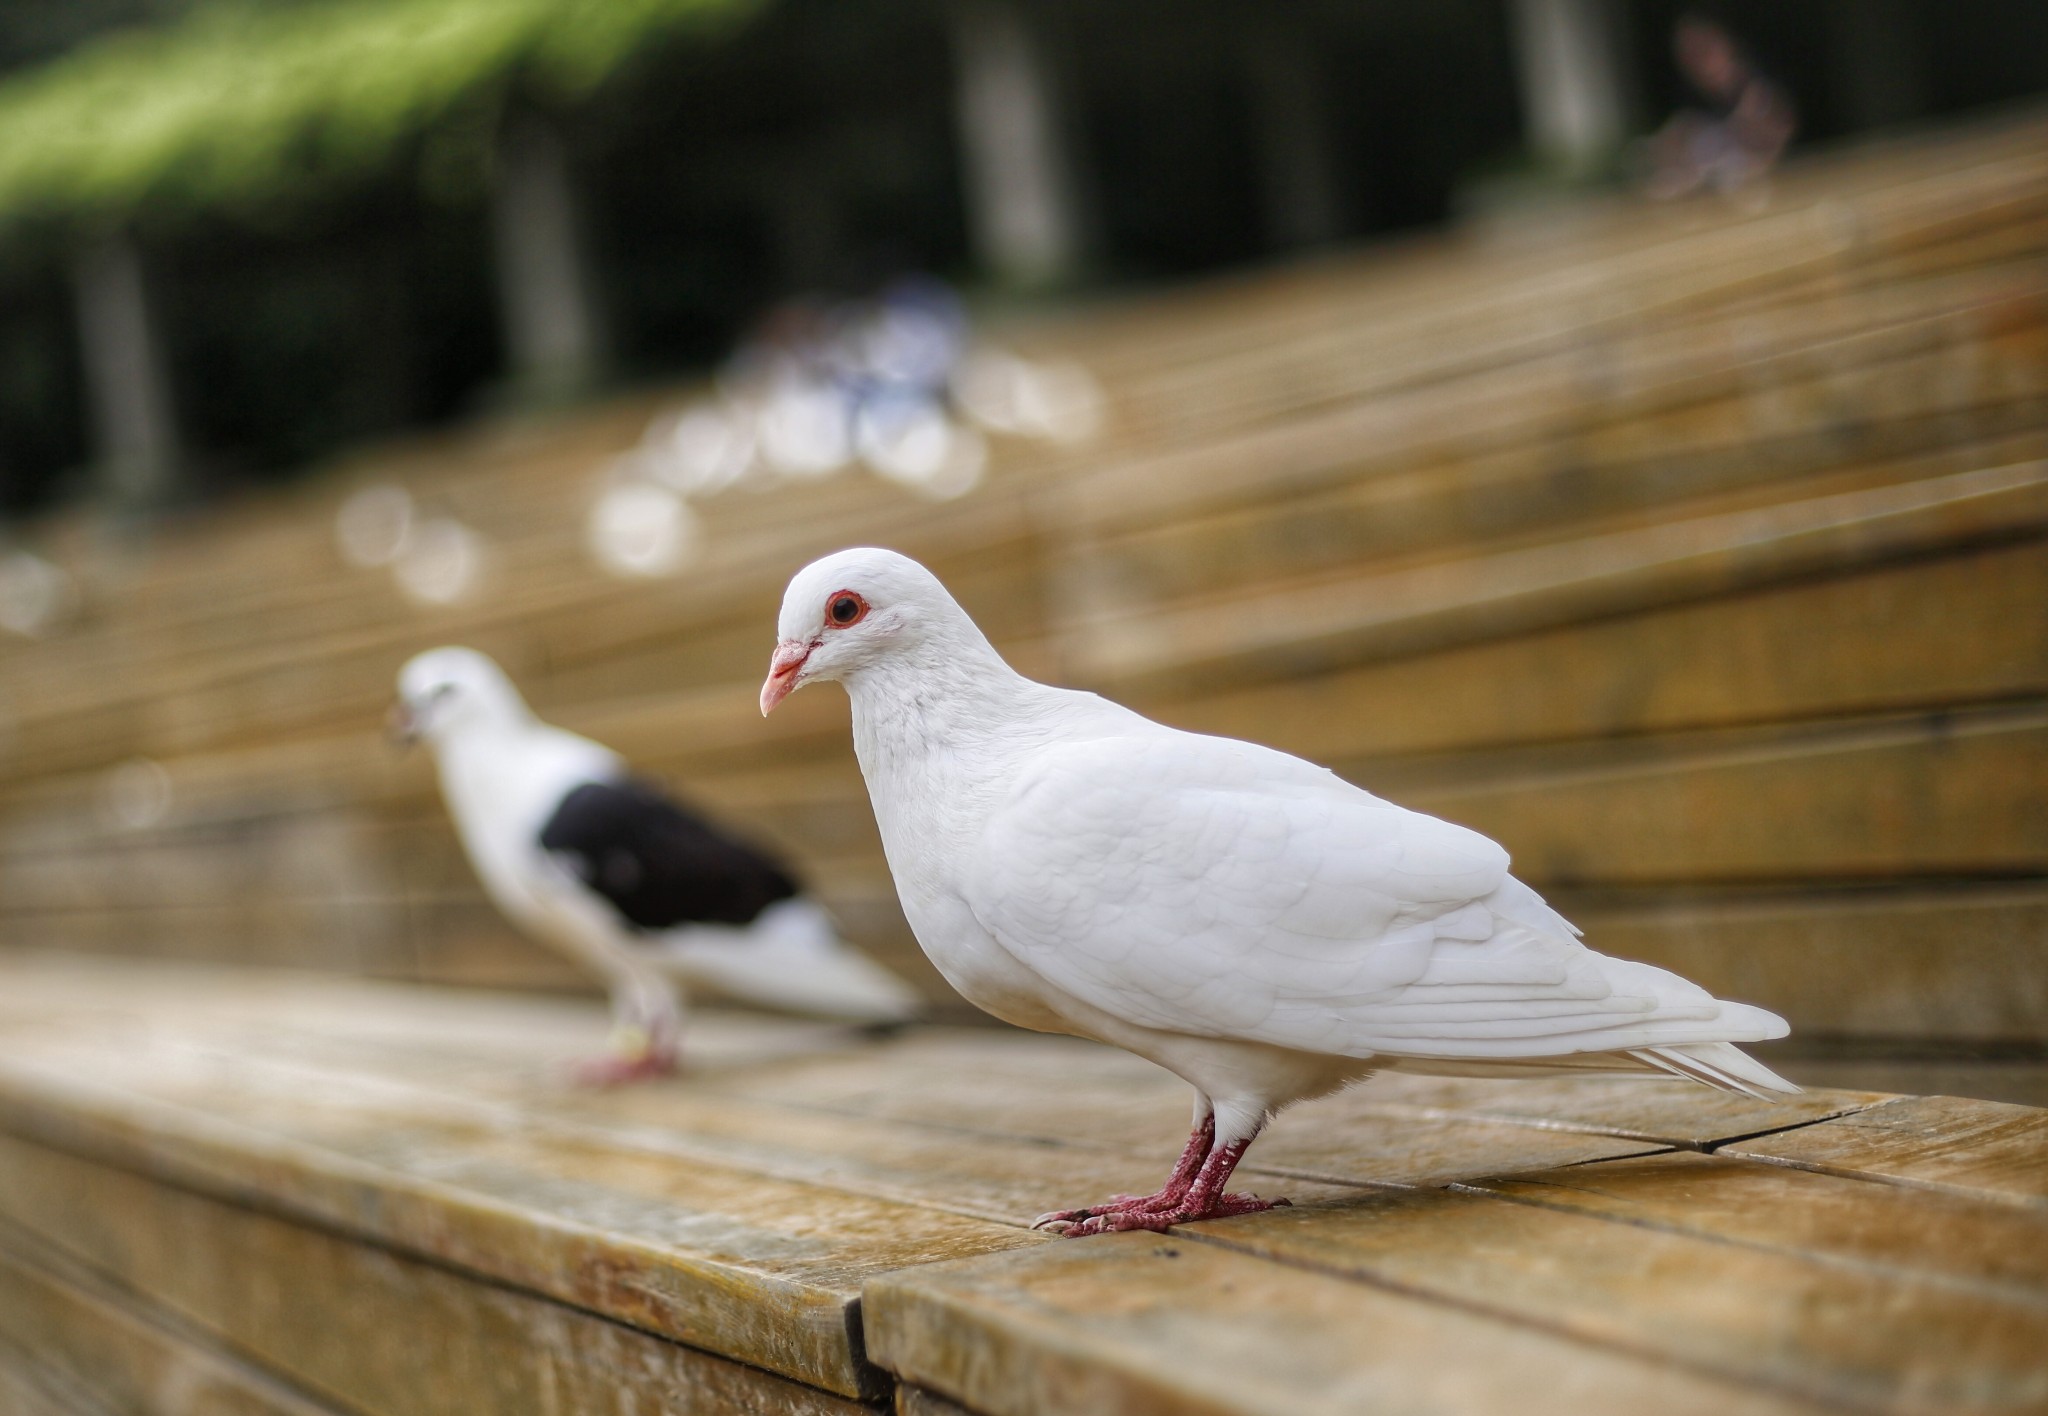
{"points": [[658, 865]]}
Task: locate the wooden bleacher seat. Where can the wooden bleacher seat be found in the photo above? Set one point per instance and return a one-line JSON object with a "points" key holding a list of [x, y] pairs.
{"points": [[1696, 556], [280, 1193]]}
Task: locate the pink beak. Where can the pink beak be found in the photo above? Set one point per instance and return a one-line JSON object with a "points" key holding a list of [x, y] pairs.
{"points": [[788, 662]]}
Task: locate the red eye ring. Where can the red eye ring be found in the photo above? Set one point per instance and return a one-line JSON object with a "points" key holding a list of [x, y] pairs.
{"points": [[844, 608]]}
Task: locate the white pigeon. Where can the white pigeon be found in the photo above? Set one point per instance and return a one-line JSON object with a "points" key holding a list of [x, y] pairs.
{"points": [[607, 869], [1249, 921]]}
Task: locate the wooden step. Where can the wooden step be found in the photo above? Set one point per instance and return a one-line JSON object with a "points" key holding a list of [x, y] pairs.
{"points": [[275, 1193], [1698, 556]]}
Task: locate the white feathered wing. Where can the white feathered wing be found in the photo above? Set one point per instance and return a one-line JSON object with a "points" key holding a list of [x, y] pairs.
{"points": [[1210, 887]]}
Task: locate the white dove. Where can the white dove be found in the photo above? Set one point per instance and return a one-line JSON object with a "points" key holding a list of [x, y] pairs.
{"points": [[612, 872], [1249, 921]]}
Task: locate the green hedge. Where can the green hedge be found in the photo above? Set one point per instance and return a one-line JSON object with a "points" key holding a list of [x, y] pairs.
{"points": [[239, 104]]}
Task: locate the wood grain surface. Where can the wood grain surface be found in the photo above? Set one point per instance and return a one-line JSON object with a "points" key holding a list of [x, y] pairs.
{"points": [[375, 1197], [1979, 1148], [89, 1345]]}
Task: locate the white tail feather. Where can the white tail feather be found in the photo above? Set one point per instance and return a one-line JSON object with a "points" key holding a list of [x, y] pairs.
{"points": [[793, 958], [1720, 1065]]}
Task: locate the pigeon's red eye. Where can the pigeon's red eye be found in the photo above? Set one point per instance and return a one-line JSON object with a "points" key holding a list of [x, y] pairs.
{"points": [[844, 608]]}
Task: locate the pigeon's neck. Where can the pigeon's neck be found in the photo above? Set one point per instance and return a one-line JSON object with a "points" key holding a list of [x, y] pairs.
{"points": [[940, 693], [486, 736], [509, 769], [937, 726]]}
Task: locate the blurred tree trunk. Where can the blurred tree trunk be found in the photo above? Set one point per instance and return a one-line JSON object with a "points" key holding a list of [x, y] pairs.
{"points": [[1574, 93], [1302, 205], [551, 327], [134, 425], [1022, 203]]}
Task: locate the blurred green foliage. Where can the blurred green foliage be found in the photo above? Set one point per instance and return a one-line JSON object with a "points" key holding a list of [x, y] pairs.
{"points": [[237, 104]]}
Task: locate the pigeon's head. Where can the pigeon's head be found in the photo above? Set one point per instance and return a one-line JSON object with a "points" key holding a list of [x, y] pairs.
{"points": [[849, 610], [442, 689]]}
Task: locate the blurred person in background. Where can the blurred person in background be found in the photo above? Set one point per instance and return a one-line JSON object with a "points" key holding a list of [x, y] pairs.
{"points": [[1739, 131]]}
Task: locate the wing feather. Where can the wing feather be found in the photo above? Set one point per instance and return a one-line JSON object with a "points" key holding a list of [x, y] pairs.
{"points": [[1216, 888]]}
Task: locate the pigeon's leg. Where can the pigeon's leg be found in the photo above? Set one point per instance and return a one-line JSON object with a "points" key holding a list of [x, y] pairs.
{"points": [[1205, 1198], [647, 1005], [1208, 1199], [647, 1026], [1201, 1141]]}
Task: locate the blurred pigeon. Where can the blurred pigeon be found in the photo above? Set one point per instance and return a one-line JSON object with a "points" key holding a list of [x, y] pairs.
{"points": [[610, 871], [1246, 920]]}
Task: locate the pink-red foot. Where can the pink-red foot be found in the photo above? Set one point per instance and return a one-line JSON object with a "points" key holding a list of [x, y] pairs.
{"points": [[1186, 1171], [619, 1069], [1174, 1196], [1115, 1217]]}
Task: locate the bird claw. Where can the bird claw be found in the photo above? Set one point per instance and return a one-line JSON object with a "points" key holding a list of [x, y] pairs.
{"points": [[1115, 1218], [1055, 1220]]}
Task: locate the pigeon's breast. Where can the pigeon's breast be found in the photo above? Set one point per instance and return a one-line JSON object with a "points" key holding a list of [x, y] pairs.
{"points": [[927, 831], [981, 970], [501, 789], [935, 773]]}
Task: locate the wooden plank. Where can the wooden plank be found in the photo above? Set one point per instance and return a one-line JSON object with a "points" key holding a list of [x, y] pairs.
{"points": [[1378, 354], [1019, 1161], [1926, 796], [1581, 296], [1389, 521], [1969, 1244], [257, 933], [916, 1401], [1145, 1325], [330, 601], [346, 1321], [1955, 630], [1665, 1114], [1958, 963], [1789, 1320], [1363, 1135], [633, 1233], [25, 1390], [1012, 1087], [431, 1125], [1378, 614], [1981, 1148], [1000, 1144], [75, 1332], [310, 682], [722, 1256], [741, 1208], [1594, 431]]}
